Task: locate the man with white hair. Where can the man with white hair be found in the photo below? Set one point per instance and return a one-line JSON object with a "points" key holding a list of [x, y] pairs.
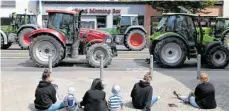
{"points": [[204, 96]]}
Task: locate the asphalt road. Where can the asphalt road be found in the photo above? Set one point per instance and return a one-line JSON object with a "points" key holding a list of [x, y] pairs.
{"points": [[18, 60]]}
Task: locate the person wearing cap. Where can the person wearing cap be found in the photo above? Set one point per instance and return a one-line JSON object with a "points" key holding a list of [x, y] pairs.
{"points": [[95, 98], [115, 101], [142, 94], [70, 101], [204, 96], [45, 94]]}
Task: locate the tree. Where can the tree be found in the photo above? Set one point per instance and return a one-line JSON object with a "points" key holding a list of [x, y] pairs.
{"points": [[172, 6]]}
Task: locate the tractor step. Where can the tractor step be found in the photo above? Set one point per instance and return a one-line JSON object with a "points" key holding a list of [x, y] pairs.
{"points": [[193, 52]]}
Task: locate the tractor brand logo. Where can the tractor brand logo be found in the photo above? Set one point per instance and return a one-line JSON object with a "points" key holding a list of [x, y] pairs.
{"points": [[94, 10]]}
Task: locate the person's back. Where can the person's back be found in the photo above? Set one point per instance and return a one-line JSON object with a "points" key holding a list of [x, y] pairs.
{"points": [[45, 93], [141, 93], [94, 99], [205, 96]]}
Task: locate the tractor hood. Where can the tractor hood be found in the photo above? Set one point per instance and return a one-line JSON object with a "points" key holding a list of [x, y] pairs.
{"points": [[92, 34]]}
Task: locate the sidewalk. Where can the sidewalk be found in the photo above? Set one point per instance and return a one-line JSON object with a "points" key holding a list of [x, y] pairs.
{"points": [[18, 88]]}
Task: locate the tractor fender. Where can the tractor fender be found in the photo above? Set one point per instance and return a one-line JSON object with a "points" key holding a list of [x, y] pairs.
{"points": [[135, 27], [4, 36], [224, 33], [52, 32], [210, 45], [95, 41], [35, 27], [171, 34]]}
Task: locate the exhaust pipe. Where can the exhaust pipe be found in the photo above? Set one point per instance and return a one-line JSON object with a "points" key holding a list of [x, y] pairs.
{"points": [[76, 40]]}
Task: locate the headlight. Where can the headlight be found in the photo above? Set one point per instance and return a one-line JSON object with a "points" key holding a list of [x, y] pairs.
{"points": [[108, 40]]}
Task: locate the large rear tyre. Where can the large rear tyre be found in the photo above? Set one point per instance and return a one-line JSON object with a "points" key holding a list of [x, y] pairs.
{"points": [[94, 52], [44, 45], [226, 41], [217, 57], [170, 52], [23, 38], [4, 46], [135, 40]]}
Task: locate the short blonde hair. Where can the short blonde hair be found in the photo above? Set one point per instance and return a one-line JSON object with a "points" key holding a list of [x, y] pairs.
{"points": [[147, 77], [204, 77]]}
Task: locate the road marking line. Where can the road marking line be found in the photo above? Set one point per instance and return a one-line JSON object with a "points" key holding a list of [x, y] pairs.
{"points": [[113, 58]]}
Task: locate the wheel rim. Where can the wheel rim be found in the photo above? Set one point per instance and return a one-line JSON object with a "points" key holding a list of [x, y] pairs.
{"points": [[171, 53], [136, 40], [97, 53], [26, 38], [219, 57], [44, 49]]}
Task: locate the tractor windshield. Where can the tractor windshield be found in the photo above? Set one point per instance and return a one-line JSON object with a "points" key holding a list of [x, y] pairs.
{"points": [[162, 22], [61, 22], [26, 19]]}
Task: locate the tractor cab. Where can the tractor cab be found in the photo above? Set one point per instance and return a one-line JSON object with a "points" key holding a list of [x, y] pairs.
{"points": [[63, 22], [23, 19], [180, 23], [126, 20]]}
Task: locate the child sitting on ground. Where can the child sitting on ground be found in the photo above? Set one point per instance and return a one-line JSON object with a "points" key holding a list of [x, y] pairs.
{"points": [[70, 101], [115, 101]]}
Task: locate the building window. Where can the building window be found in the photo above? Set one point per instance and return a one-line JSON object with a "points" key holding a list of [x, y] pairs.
{"points": [[141, 20], [101, 21], [8, 3]]}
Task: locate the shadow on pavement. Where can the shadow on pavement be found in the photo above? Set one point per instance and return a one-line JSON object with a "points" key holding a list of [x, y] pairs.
{"points": [[31, 107]]}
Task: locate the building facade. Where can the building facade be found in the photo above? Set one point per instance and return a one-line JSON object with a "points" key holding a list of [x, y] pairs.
{"points": [[98, 13]]}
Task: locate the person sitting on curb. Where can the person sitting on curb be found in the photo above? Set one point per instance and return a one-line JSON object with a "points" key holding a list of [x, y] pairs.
{"points": [[70, 101], [142, 94], [204, 96], [115, 101], [45, 95], [95, 98]]}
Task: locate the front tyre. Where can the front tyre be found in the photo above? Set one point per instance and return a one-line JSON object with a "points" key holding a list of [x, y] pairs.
{"points": [[94, 52], [4, 46], [217, 57], [170, 52], [44, 45]]}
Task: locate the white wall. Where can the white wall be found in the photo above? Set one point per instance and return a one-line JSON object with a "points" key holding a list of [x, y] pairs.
{"points": [[21, 5], [226, 8]]}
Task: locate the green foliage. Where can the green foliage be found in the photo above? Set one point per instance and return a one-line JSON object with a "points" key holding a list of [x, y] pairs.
{"points": [[172, 6]]}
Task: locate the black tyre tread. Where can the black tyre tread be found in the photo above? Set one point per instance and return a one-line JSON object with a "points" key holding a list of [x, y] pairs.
{"points": [[157, 50], [19, 42], [55, 62], [210, 53], [4, 46], [126, 40], [90, 50], [225, 40]]}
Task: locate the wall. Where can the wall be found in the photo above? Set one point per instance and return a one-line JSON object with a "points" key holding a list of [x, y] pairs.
{"points": [[21, 5], [226, 8], [148, 13]]}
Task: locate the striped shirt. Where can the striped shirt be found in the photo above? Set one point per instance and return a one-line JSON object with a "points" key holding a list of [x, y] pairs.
{"points": [[115, 103]]}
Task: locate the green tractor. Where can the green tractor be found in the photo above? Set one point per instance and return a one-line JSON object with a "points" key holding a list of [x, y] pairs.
{"points": [[128, 32], [18, 31], [179, 36], [220, 29]]}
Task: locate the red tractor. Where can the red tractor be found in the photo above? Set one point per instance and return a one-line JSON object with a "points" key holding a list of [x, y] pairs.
{"points": [[63, 38]]}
